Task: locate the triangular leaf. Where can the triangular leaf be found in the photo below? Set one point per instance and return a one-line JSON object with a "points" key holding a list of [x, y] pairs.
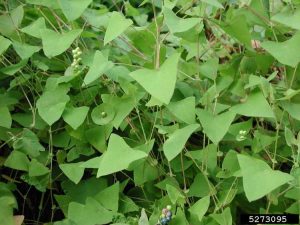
{"points": [[17, 160], [117, 24], [215, 127], [25, 51], [258, 178], [175, 143], [54, 43], [89, 214], [184, 109], [159, 83], [52, 104], [5, 118], [289, 17], [261, 109], [4, 44], [37, 169], [109, 197], [75, 116], [199, 209], [73, 171], [278, 50], [111, 162], [100, 65], [177, 24], [73, 8], [34, 28]]}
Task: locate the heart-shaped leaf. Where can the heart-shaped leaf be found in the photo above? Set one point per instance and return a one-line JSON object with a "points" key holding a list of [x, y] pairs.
{"points": [[159, 83]]}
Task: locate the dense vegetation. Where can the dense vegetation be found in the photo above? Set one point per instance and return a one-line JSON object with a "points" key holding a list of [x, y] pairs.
{"points": [[114, 110]]}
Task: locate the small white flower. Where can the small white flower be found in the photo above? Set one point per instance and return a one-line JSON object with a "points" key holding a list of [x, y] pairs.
{"points": [[242, 132]]}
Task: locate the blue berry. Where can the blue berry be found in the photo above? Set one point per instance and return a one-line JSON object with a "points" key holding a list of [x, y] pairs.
{"points": [[164, 221], [168, 218]]}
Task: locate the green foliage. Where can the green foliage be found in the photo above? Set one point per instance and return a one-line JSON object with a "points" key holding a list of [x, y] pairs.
{"points": [[112, 111]]}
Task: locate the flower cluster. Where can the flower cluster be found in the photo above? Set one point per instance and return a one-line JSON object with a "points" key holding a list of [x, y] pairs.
{"points": [[76, 57], [241, 136], [166, 215]]}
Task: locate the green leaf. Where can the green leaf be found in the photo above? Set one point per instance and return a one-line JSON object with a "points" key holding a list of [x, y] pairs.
{"points": [[103, 114], [215, 127], [52, 104], [37, 169], [109, 197], [97, 136], [54, 43], [73, 9], [175, 143], [288, 17], [179, 218], [174, 194], [34, 28], [14, 68], [209, 68], [223, 218], [230, 165], [46, 3], [176, 24], [258, 100], [89, 214], [258, 178], [17, 160], [278, 50], [117, 24], [184, 110], [238, 29], [289, 137], [75, 116], [100, 65], [7, 209], [199, 209], [111, 162], [73, 171], [207, 157], [4, 44], [206, 189], [159, 83], [5, 118], [143, 220], [292, 108], [10, 22], [28, 143], [25, 51], [214, 3], [122, 106]]}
